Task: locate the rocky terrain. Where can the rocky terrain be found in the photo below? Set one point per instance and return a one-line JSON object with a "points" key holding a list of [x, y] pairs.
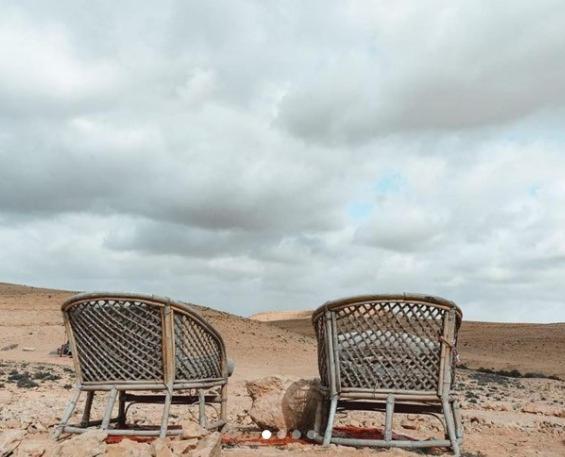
{"points": [[503, 415]]}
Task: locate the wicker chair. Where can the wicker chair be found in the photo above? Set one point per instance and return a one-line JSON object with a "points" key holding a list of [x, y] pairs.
{"points": [[124, 343], [389, 353]]}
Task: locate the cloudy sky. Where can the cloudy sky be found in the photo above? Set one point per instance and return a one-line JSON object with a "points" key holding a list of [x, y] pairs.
{"points": [[254, 155]]}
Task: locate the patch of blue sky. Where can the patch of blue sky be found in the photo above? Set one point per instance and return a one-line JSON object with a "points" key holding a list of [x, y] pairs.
{"points": [[359, 210], [534, 190], [390, 183]]}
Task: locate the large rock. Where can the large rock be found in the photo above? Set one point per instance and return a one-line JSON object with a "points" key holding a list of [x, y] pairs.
{"points": [[10, 440], [88, 444], [283, 403], [209, 446]]}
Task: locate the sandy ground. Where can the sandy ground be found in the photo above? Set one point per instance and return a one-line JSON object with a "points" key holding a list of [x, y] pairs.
{"points": [[529, 348], [502, 416]]}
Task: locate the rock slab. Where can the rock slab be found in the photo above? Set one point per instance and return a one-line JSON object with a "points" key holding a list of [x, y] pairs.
{"points": [[209, 446], [88, 444], [283, 403], [129, 448]]}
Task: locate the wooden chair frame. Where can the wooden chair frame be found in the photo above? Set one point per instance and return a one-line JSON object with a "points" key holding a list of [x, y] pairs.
{"points": [[388, 353], [94, 323]]}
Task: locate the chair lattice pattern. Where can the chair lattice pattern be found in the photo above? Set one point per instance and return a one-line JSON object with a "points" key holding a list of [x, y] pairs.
{"points": [[320, 328], [118, 340], [389, 345], [198, 354]]}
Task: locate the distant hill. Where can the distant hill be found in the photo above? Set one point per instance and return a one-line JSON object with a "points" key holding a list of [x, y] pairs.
{"points": [[499, 346], [30, 317], [271, 342], [281, 316]]}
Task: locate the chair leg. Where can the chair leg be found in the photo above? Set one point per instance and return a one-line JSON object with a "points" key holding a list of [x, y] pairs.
{"points": [[224, 404], [318, 416], [109, 407], [68, 413], [122, 409], [165, 418], [330, 424], [87, 408], [388, 418], [202, 420], [458, 423], [450, 423]]}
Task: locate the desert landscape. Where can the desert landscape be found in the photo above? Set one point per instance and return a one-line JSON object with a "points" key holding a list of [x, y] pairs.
{"points": [[510, 385]]}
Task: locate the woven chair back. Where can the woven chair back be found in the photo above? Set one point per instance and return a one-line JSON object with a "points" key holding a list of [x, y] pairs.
{"points": [[124, 338], [385, 343]]}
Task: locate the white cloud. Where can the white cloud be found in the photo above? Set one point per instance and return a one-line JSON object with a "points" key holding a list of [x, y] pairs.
{"points": [[40, 70], [199, 87]]}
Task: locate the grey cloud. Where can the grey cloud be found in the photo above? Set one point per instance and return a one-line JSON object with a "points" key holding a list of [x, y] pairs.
{"points": [[440, 68], [214, 151], [401, 228], [160, 238], [212, 182]]}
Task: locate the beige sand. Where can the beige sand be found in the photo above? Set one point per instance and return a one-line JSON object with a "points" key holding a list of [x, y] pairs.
{"points": [[534, 348]]}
